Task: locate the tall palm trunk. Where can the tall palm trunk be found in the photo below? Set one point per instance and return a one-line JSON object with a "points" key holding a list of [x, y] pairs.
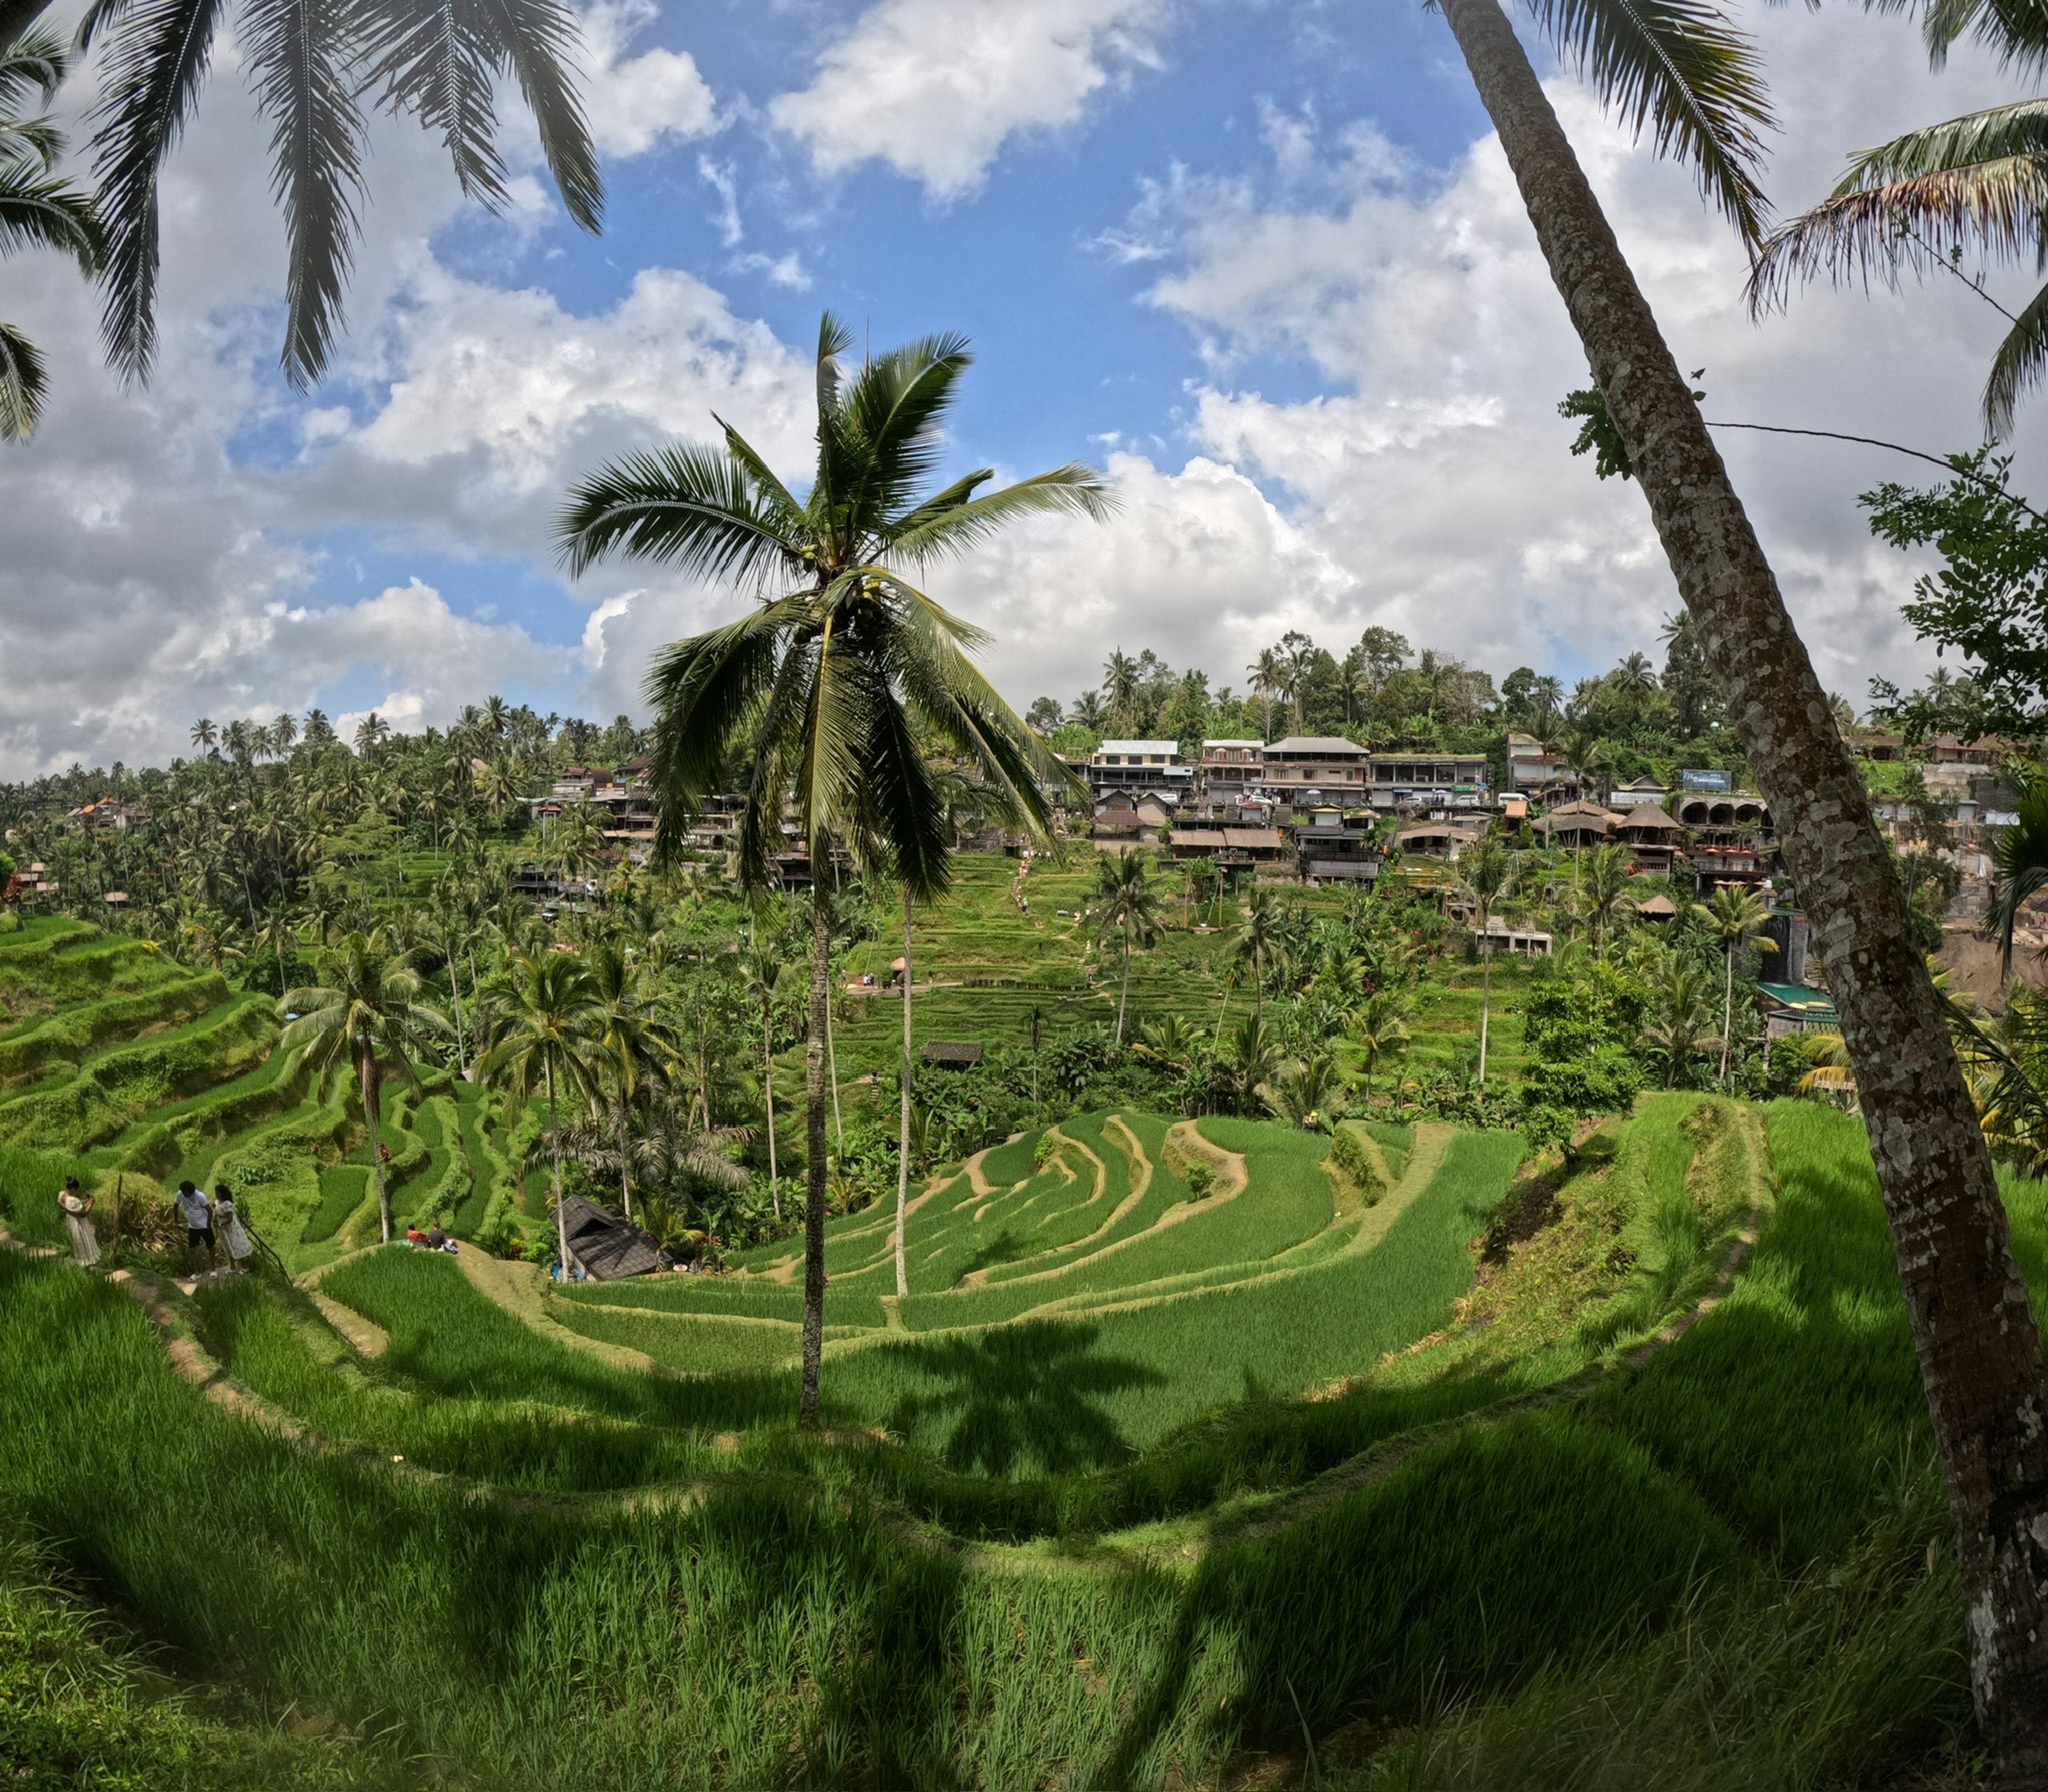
{"points": [[555, 1148], [768, 1085], [1728, 1007], [1124, 994], [903, 1121], [1485, 991], [1979, 1348], [815, 1051], [372, 1118]]}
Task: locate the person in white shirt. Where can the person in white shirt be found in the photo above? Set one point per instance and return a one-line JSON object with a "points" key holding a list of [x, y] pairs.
{"points": [[198, 1212]]}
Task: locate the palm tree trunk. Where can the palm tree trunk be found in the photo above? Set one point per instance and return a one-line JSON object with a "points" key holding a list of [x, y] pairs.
{"points": [[768, 1088], [1979, 1348], [815, 1055], [903, 1121], [1485, 994], [832, 1059], [372, 1118], [1727, 1006], [554, 1145], [1124, 995]]}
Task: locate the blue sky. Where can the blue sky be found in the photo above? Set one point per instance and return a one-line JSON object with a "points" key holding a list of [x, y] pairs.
{"points": [[1263, 262]]}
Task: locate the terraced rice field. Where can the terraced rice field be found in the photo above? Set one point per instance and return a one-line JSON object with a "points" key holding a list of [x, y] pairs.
{"points": [[120, 1066]]}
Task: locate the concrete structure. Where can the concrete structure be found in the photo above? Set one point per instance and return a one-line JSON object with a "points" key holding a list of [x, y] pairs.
{"points": [[1790, 1008], [1644, 792], [1529, 941], [1230, 769], [1948, 750], [1719, 815], [1529, 767], [1309, 769], [1436, 839], [1327, 847], [1418, 782], [1138, 765]]}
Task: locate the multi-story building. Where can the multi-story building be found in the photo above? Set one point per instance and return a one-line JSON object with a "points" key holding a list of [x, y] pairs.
{"points": [[1308, 770], [1231, 770], [624, 795], [1530, 767], [1135, 765], [1328, 847], [1419, 782]]}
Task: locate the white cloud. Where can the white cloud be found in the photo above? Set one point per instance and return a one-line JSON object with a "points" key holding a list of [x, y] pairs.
{"points": [[637, 102], [935, 87]]}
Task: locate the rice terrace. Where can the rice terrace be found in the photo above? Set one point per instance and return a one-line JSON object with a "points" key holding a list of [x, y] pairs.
{"points": [[1284, 1105]]}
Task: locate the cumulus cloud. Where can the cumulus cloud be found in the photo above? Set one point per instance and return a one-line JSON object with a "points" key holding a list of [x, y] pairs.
{"points": [[935, 87], [637, 102]]}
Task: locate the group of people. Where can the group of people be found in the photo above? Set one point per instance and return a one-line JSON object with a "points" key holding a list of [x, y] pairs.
{"points": [[211, 1225], [434, 1238]]}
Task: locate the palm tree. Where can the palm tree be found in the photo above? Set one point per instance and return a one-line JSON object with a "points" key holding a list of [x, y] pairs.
{"points": [[1738, 917], [1377, 1029], [630, 1047], [1602, 887], [1261, 942], [1310, 1092], [2020, 859], [1684, 72], [1486, 875], [1253, 1059], [37, 209], [762, 972], [1127, 905], [1682, 1026], [366, 1017], [204, 734], [316, 70], [544, 1034], [818, 695]]}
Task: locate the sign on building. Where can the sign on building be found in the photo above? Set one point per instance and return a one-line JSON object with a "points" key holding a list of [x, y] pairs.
{"points": [[1706, 780]]}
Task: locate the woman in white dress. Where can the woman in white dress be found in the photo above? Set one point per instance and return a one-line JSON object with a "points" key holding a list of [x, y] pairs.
{"points": [[77, 1205], [234, 1240]]}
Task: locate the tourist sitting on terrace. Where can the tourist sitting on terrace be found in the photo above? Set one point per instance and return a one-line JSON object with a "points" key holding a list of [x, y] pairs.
{"points": [[413, 1234], [437, 1239]]}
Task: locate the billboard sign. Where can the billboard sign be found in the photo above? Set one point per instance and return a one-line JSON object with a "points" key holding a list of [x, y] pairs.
{"points": [[1699, 780]]}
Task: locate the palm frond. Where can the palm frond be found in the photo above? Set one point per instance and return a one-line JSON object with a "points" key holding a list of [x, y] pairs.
{"points": [[683, 505], [834, 339], [438, 62], [932, 530], [149, 85], [538, 39], [788, 512], [893, 410], [906, 800], [28, 147], [23, 385], [299, 52], [2015, 31], [32, 68], [2019, 860], [49, 213], [1679, 68], [2019, 365]]}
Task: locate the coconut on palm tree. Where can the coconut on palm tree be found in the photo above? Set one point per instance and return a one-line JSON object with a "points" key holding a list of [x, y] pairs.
{"points": [[1681, 71], [823, 696], [38, 209], [365, 1019]]}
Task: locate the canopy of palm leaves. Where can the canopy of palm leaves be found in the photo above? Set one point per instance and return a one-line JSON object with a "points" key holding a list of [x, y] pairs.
{"points": [[2020, 859], [316, 69], [820, 692], [38, 210], [1917, 203]]}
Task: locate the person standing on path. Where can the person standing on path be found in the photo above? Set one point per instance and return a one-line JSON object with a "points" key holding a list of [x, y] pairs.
{"points": [[77, 1205], [198, 1212], [234, 1239]]}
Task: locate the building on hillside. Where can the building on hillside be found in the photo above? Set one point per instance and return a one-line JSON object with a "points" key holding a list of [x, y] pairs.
{"points": [[1138, 767], [607, 1248], [1306, 769], [1328, 846], [624, 795], [1232, 849], [1870, 743], [1644, 793], [1531, 766], [1577, 825], [1790, 1008], [1656, 908], [1721, 817], [1748, 866], [1419, 784], [107, 814], [1795, 961], [1653, 838], [1230, 771], [950, 1054], [1946, 750], [1437, 839], [1498, 936]]}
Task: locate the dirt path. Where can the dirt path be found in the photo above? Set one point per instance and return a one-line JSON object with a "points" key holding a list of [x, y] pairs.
{"points": [[521, 1289], [364, 1335]]}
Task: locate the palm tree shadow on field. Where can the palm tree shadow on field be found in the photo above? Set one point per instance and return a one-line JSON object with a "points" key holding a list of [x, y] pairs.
{"points": [[1023, 1394]]}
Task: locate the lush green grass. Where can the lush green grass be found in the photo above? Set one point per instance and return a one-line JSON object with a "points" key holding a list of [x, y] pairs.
{"points": [[847, 1303]]}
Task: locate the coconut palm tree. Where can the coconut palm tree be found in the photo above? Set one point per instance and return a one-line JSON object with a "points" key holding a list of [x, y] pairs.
{"points": [[1261, 944], [1738, 917], [1680, 69], [365, 1018], [544, 1036], [1377, 1029], [760, 971], [37, 209], [1603, 888], [1486, 877], [631, 1047], [2019, 858], [1681, 1025], [1125, 905], [820, 695]]}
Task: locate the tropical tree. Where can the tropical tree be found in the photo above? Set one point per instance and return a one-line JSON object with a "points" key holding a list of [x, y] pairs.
{"points": [[760, 970], [544, 1036], [1486, 877], [1681, 1025], [1310, 1092], [1261, 942], [1377, 1029], [1126, 907], [1680, 69], [2019, 858], [1738, 917], [37, 209], [367, 1019], [820, 696], [1602, 888], [631, 1045]]}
